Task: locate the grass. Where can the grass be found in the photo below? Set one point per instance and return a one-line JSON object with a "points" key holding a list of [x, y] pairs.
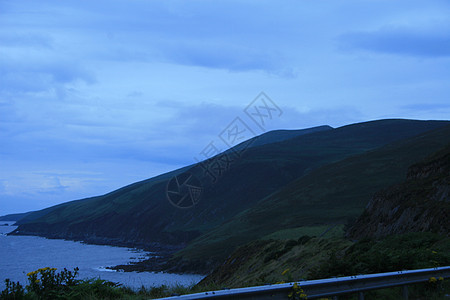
{"points": [[47, 283], [265, 261], [93, 290], [326, 231], [271, 261], [140, 213], [329, 195], [398, 252], [294, 187]]}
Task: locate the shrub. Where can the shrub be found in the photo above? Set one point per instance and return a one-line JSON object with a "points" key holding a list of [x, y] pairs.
{"points": [[46, 283], [13, 290]]}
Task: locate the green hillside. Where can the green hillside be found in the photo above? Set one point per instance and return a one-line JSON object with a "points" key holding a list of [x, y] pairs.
{"points": [[326, 197], [140, 214], [404, 226]]}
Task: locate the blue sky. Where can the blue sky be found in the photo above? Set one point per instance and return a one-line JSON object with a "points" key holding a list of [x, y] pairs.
{"points": [[95, 95]]}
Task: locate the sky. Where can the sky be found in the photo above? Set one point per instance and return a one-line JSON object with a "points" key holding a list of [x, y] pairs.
{"points": [[95, 95]]}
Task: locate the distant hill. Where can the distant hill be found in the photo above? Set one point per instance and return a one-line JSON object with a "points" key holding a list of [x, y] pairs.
{"points": [[259, 188], [14, 217]]}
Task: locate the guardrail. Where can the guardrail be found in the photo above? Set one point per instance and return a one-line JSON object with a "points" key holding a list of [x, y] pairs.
{"points": [[327, 287]]}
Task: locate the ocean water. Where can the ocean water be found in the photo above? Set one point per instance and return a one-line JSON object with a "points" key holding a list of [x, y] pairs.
{"points": [[22, 254]]}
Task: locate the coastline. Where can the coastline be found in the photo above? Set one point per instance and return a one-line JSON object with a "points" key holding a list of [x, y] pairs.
{"points": [[94, 261], [159, 255]]}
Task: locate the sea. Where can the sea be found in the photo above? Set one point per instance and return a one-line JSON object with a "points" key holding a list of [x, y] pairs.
{"points": [[22, 254]]}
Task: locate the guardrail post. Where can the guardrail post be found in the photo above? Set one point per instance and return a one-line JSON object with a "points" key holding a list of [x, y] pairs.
{"points": [[361, 296], [405, 292]]}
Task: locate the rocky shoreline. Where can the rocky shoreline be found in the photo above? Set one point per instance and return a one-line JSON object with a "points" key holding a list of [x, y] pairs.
{"points": [[155, 263], [160, 259]]}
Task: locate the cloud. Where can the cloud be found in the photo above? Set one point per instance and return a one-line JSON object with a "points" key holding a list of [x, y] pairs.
{"points": [[398, 41], [25, 40], [30, 75], [31, 185], [58, 162], [220, 55], [204, 52], [426, 106], [91, 133], [199, 34], [131, 89]]}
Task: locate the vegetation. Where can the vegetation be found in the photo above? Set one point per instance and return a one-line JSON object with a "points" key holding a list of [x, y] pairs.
{"points": [[139, 214], [46, 283], [274, 261], [284, 212], [398, 252], [327, 196], [418, 245]]}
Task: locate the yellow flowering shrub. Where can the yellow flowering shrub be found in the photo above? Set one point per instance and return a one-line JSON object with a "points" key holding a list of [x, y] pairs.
{"points": [[44, 281], [297, 292]]}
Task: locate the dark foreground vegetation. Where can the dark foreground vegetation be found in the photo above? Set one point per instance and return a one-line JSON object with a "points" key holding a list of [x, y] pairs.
{"points": [[377, 199], [436, 288], [270, 262], [47, 283]]}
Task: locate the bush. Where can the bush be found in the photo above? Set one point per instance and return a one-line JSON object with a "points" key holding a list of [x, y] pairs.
{"points": [[46, 283], [399, 252], [13, 290]]}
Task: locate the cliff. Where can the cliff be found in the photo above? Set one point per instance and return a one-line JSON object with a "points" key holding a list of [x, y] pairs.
{"points": [[420, 204]]}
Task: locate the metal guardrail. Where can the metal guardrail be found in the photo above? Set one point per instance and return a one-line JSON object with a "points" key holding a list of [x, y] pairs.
{"points": [[327, 287]]}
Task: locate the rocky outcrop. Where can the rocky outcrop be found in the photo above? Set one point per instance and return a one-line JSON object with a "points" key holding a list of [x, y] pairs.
{"points": [[421, 203]]}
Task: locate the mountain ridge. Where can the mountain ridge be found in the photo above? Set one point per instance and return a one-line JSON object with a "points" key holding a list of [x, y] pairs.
{"points": [[140, 215], [404, 226], [305, 202]]}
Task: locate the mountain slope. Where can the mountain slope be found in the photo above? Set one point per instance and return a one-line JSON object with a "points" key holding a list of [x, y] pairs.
{"points": [[141, 215], [329, 195], [283, 135], [405, 226], [421, 203]]}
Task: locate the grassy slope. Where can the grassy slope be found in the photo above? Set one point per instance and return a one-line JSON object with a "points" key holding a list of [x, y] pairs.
{"points": [[140, 213], [328, 195], [288, 257], [129, 210], [264, 261]]}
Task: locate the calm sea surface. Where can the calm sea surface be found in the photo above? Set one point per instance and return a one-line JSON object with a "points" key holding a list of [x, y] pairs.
{"points": [[22, 254]]}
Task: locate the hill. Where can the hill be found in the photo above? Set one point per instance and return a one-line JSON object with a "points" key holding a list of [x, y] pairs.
{"points": [[275, 136], [405, 226], [14, 217], [327, 197], [140, 214], [419, 204]]}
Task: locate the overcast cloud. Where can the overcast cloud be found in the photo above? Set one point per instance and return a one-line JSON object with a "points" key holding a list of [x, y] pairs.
{"points": [[95, 95]]}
